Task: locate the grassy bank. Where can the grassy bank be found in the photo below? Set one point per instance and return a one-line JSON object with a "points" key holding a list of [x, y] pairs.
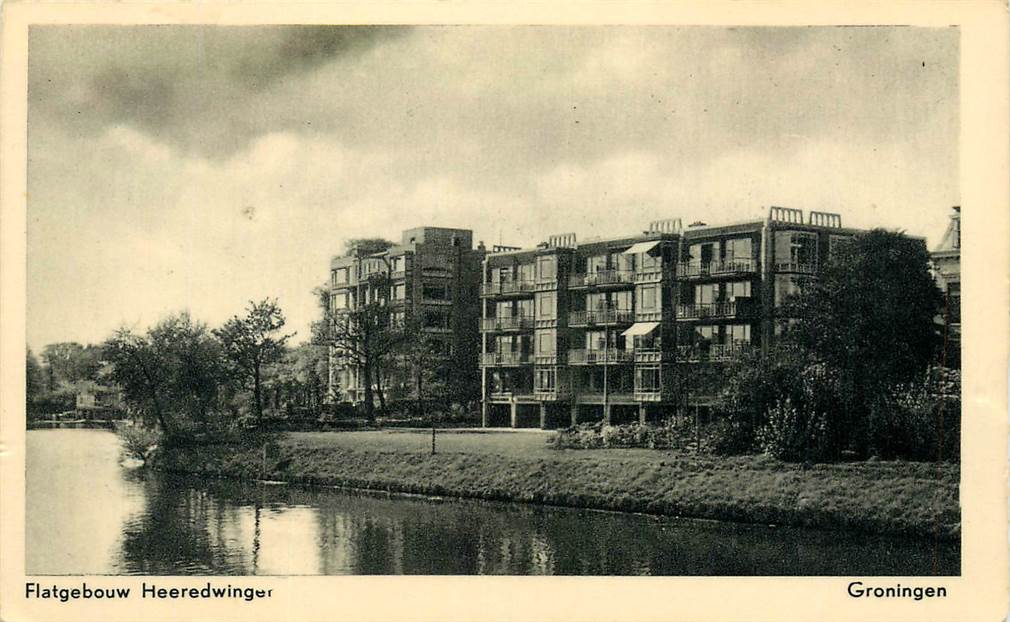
{"points": [[918, 499]]}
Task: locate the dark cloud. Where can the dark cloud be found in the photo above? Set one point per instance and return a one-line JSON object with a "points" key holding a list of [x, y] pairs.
{"points": [[300, 48]]}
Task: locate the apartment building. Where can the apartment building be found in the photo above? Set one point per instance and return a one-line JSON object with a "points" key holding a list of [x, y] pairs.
{"points": [[621, 330], [434, 275]]}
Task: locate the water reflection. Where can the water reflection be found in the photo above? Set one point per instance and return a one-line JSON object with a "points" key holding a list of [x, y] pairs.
{"points": [[191, 526]]}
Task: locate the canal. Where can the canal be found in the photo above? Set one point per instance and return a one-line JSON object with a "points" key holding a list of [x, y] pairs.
{"points": [[88, 514]]}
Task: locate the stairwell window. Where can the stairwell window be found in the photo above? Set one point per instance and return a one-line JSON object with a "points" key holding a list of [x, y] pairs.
{"points": [[547, 307]]}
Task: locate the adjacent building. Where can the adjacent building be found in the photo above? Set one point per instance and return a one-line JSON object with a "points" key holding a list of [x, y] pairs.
{"points": [[947, 271], [433, 275], [625, 329]]}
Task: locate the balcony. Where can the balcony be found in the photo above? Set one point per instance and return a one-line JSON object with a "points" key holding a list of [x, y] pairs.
{"points": [[551, 394], [652, 395], [795, 267], [653, 274], [610, 356], [732, 267], [715, 353], [601, 318], [515, 322], [506, 359], [652, 355], [507, 288], [602, 278], [741, 307]]}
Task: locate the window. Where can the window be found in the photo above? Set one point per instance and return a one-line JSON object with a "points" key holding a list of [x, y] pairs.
{"points": [[338, 301], [647, 261], [738, 333], [399, 291], [702, 253], [398, 264], [547, 306], [737, 289], [648, 298], [596, 263], [547, 267], [506, 344], [526, 271], [398, 318], [436, 291], [503, 309], [547, 342], [595, 340], [340, 276], [503, 275], [647, 379], [546, 379], [796, 247], [625, 263], [705, 334], [706, 294], [596, 302], [739, 249], [621, 301], [524, 308]]}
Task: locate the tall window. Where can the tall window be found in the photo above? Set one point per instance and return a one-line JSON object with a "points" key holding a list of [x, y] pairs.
{"points": [[703, 252], [647, 379], [596, 302], [737, 289], [546, 379], [738, 333], [625, 263], [547, 341], [596, 263], [399, 291], [595, 340], [338, 301], [621, 301], [547, 306], [648, 298], [340, 276], [797, 247], [547, 267], [739, 249], [524, 308], [707, 293], [503, 309], [398, 263], [526, 272]]}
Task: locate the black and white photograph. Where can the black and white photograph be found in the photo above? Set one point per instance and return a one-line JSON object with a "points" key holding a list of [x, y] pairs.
{"points": [[595, 300]]}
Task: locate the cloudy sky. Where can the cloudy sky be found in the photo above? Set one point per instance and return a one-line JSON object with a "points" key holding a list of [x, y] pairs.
{"points": [[201, 167]]}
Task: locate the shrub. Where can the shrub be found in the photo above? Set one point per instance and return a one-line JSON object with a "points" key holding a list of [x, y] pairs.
{"points": [[920, 420], [794, 433], [138, 441]]}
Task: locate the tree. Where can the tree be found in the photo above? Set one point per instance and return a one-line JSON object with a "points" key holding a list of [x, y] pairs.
{"points": [[870, 315], [70, 362], [252, 342], [174, 374], [34, 381]]}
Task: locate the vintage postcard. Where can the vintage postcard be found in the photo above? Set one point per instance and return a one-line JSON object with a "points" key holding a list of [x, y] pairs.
{"points": [[473, 311]]}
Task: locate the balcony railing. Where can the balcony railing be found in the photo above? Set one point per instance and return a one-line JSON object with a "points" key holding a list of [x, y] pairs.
{"points": [[651, 355], [505, 359], [712, 352], [602, 277], [610, 356], [603, 316], [515, 322], [796, 267], [695, 270], [502, 288], [701, 311]]}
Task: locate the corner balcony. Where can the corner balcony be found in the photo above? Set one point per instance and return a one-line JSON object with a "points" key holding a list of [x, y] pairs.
{"points": [[714, 353], [501, 324], [508, 288], [716, 269], [603, 278], [739, 308], [605, 317], [795, 267], [551, 394], [651, 394], [610, 356], [506, 359]]}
